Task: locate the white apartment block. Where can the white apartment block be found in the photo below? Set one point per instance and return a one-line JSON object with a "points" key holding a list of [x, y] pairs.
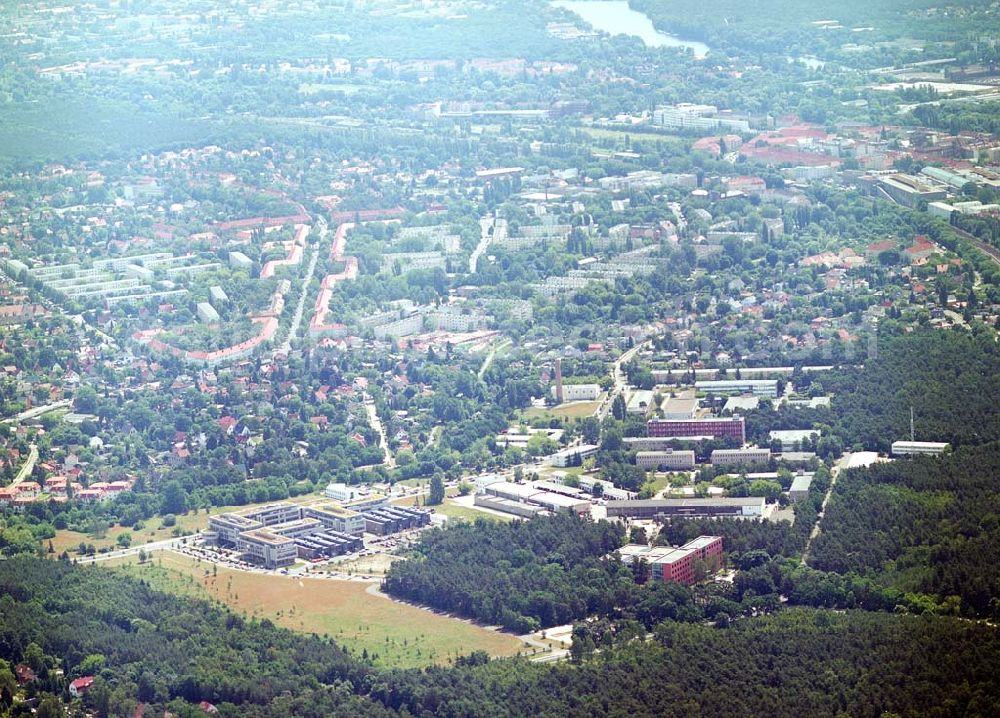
{"points": [[740, 457], [669, 459]]}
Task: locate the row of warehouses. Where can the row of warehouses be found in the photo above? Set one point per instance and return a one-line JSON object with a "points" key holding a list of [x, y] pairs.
{"points": [[276, 534], [531, 499]]}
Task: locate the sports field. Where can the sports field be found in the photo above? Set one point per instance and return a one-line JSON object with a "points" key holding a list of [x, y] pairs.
{"points": [[390, 633]]}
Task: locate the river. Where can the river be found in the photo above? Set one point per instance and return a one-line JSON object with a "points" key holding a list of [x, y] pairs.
{"points": [[615, 17]]}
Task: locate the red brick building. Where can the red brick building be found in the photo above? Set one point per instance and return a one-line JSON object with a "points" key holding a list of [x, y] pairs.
{"points": [[732, 427], [677, 564]]}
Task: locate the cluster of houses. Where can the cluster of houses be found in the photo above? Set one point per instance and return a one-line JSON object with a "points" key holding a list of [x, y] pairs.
{"points": [[59, 489]]}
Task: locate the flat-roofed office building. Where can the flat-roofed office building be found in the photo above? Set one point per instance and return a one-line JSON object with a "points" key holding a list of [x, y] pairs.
{"points": [[751, 507], [264, 547]]}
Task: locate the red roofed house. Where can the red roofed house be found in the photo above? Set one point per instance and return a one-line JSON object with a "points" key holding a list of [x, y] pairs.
{"points": [[23, 673], [89, 495], [921, 249], [80, 686], [55, 485], [745, 184], [878, 247]]}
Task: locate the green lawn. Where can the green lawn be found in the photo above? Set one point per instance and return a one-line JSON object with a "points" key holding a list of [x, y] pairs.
{"points": [[633, 136], [454, 511]]}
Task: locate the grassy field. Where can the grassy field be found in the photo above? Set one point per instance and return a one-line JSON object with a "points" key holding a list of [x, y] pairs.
{"points": [[392, 634], [658, 482], [575, 410], [633, 136], [450, 509], [455, 511], [372, 565]]}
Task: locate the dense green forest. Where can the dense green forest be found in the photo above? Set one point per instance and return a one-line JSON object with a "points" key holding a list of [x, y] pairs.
{"points": [[951, 379], [927, 525], [521, 575], [170, 651], [796, 27], [800, 663], [155, 647]]}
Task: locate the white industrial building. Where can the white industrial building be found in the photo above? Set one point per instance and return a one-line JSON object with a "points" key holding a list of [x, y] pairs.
{"points": [[919, 448], [698, 117], [800, 487], [527, 494], [566, 457], [578, 392], [793, 439], [758, 387], [678, 408], [339, 491], [641, 402], [741, 404]]}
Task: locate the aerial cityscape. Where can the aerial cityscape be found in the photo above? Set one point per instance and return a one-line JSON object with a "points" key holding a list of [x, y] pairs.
{"points": [[499, 358]]}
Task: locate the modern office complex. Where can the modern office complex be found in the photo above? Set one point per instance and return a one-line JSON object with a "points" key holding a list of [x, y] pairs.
{"points": [[337, 517], [275, 535]]}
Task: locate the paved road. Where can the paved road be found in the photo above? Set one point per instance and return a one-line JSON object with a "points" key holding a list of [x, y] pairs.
{"points": [[166, 544], [843, 463], [620, 381], [293, 330], [383, 442], [28, 467], [38, 411], [499, 227], [489, 357]]}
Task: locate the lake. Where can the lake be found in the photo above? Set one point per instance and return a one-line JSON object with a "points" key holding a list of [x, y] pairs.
{"points": [[615, 17]]}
